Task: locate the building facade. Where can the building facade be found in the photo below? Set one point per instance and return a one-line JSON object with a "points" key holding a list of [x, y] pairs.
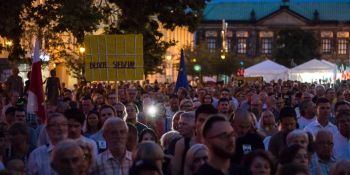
{"points": [[252, 27]]}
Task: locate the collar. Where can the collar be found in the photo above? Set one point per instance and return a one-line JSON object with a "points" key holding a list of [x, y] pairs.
{"points": [[49, 147], [127, 155]]}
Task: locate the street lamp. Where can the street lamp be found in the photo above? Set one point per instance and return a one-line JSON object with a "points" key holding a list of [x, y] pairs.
{"points": [[81, 50], [197, 68]]}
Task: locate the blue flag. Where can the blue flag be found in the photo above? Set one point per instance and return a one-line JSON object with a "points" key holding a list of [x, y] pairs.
{"points": [[182, 76]]}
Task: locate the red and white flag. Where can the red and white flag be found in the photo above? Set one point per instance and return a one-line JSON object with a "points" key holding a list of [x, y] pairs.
{"points": [[36, 93]]}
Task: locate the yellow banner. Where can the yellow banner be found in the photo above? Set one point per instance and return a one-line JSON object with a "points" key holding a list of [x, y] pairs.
{"points": [[113, 57]]}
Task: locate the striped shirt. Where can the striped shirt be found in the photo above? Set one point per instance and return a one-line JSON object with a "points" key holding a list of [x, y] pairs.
{"points": [[106, 164], [39, 161]]}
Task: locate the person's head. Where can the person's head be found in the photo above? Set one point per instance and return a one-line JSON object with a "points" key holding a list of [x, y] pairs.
{"points": [[16, 166], [57, 127], [174, 102], [323, 108], [93, 121], [186, 105], [298, 137], [219, 137], [175, 121], [330, 94], [320, 90], [14, 96], [68, 158], [120, 110], [106, 111], [20, 115], [293, 169], [224, 106], [307, 109], [18, 135], [10, 115], [259, 162], [324, 144], [76, 119], [343, 123], [187, 124], [148, 135], [149, 151], [131, 94], [341, 167], [288, 119], [98, 99], [201, 114], [88, 154], [132, 111], [115, 132], [207, 99], [15, 71], [53, 73], [267, 121], [225, 93], [307, 96], [346, 94], [112, 98], [144, 167], [242, 122], [341, 106], [196, 156], [294, 154], [132, 137], [168, 137], [87, 105]]}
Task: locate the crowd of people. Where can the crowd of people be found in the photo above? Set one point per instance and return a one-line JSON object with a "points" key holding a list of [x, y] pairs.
{"points": [[255, 128]]}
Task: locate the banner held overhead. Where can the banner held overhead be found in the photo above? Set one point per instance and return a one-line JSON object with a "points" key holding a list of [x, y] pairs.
{"points": [[113, 57]]}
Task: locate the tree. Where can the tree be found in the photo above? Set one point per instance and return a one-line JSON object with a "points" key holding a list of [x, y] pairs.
{"points": [[144, 17], [296, 46], [211, 62], [11, 25]]}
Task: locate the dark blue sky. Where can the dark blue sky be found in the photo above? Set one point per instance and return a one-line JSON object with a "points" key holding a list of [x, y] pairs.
{"points": [[216, 1]]}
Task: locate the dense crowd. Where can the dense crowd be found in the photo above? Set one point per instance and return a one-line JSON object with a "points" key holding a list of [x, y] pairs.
{"points": [[257, 128]]}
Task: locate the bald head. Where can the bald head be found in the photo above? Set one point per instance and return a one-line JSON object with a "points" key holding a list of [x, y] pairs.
{"points": [[242, 122], [324, 144]]}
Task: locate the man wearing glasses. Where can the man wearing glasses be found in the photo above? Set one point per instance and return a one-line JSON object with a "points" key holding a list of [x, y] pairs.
{"points": [[219, 137]]}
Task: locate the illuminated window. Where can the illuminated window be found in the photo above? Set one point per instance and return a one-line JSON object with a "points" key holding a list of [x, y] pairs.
{"points": [[326, 46], [242, 45], [342, 46], [211, 44], [266, 45]]}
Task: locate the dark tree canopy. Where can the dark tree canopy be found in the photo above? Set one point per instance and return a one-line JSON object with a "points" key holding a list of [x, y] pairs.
{"points": [[296, 46], [145, 17]]}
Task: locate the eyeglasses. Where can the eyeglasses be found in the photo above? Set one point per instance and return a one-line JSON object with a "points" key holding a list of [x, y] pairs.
{"points": [[57, 125], [198, 159], [223, 136]]}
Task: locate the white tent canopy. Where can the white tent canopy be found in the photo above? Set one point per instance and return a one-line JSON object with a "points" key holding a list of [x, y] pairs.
{"points": [[267, 69], [314, 70]]}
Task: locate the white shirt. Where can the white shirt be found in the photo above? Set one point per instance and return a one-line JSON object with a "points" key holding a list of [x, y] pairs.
{"points": [[315, 126], [40, 160], [341, 148], [303, 122]]}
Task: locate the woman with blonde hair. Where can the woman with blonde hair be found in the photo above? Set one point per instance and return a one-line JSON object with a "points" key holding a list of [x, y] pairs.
{"points": [[196, 156]]}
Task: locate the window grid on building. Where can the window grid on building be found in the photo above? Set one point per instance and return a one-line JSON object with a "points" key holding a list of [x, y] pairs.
{"points": [[211, 44], [342, 46], [326, 46], [241, 45], [229, 44], [266, 45]]}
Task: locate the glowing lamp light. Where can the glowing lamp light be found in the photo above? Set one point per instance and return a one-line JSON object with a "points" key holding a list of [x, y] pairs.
{"points": [[81, 49], [223, 56], [194, 60], [8, 43], [197, 68], [152, 111]]}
